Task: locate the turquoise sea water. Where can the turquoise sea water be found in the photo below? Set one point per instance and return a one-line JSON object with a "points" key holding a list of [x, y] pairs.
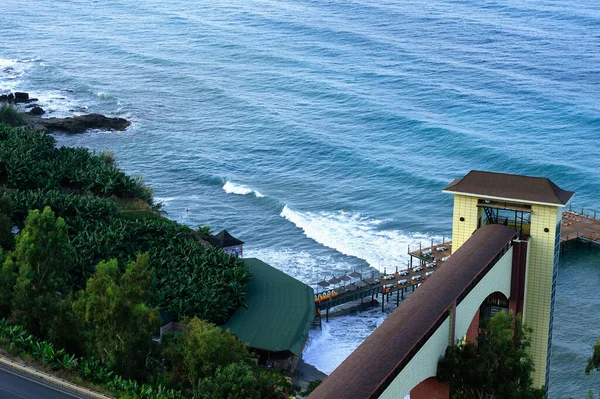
{"points": [[321, 133]]}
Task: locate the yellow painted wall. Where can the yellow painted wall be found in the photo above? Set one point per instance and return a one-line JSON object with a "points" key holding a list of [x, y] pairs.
{"points": [[465, 207], [496, 280], [422, 366], [539, 284]]}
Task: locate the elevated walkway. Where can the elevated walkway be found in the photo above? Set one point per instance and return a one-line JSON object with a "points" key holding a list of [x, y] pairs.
{"points": [[405, 349]]}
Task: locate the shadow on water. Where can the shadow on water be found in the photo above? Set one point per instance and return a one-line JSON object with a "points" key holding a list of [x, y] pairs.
{"points": [[576, 323]]}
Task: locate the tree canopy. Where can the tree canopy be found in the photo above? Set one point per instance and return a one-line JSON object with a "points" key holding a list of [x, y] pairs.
{"points": [[115, 322], [199, 351], [42, 260], [498, 367]]}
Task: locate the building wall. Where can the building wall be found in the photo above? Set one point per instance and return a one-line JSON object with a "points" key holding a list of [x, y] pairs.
{"points": [[465, 207], [540, 275], [496, 280], [422, 366]]}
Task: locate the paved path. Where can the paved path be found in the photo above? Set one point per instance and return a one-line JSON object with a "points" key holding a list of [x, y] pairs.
{"points": [[15, 386]]}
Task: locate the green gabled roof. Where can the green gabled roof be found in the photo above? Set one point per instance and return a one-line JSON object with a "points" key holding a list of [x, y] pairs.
{"points": [[280, 310]]}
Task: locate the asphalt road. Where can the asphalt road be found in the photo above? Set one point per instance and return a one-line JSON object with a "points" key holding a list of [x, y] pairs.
{"points": [[15, 386]]}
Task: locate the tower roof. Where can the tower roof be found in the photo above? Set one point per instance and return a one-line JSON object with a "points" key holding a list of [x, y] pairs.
{"points": [[505, 186]]}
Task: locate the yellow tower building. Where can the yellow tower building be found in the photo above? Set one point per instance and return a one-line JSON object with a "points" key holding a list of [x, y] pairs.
{"points": [[532, 206]]}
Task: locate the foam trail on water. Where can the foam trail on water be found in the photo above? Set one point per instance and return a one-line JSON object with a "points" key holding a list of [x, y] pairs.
{"points": [[326, 349], [240, 189], [59, 103], [359, 236], [164, 200], [302, 265], [10, 72]]}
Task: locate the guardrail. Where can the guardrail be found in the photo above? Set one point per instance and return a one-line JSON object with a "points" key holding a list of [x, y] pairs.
{"points": [[50, 380]]}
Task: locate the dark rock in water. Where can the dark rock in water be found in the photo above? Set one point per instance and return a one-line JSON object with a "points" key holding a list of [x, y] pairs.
{"points": [[17, 97], [37, 111], [21, 97], [81, 123]]}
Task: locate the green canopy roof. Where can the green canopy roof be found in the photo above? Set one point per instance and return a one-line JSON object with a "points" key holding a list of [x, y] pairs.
{"points": [[280, 310]]}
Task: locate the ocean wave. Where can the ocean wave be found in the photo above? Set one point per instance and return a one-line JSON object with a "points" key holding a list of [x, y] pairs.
{"points": [[303, 265], [165, 200], [10, 72], [240, 189], [59, 103], [359, 236]]}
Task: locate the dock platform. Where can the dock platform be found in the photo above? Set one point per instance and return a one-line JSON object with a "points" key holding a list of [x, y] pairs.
{"points": [[578, 226], [428, 260]]}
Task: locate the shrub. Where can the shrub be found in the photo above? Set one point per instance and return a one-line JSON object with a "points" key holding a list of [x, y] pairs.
{"points": [[11, 116]]}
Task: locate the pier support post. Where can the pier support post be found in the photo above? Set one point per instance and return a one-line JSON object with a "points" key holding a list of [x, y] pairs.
{"points": [[382, 302], [372, 298], [327, 315], [397, 298], [402, 293]]}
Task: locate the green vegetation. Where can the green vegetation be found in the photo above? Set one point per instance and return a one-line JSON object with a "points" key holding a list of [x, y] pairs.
{"points": [[19, 341], [199, 351], [594, 360], [241, 381], [111, 216], [311, 387], [113, 318], [10, 115], [41, 263], [498, 367], [92, 264]]}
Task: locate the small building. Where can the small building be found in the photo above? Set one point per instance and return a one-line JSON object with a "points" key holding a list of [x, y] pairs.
{"points": [[279, 313], [168, 324], [227, 243]]}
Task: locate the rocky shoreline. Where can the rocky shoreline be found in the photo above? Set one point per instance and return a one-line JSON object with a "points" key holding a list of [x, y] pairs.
{"points": [[31, 114]]}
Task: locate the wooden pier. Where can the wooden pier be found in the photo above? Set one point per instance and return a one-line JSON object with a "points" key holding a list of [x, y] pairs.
{"points": [[425, 262], [578, 226]]}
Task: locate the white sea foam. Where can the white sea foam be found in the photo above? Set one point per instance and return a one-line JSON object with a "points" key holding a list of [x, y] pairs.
{"points": [[59, 103], [327, 348], [359, 236], [306, 267], [164, 200], [240, 189], [10, 72]]}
